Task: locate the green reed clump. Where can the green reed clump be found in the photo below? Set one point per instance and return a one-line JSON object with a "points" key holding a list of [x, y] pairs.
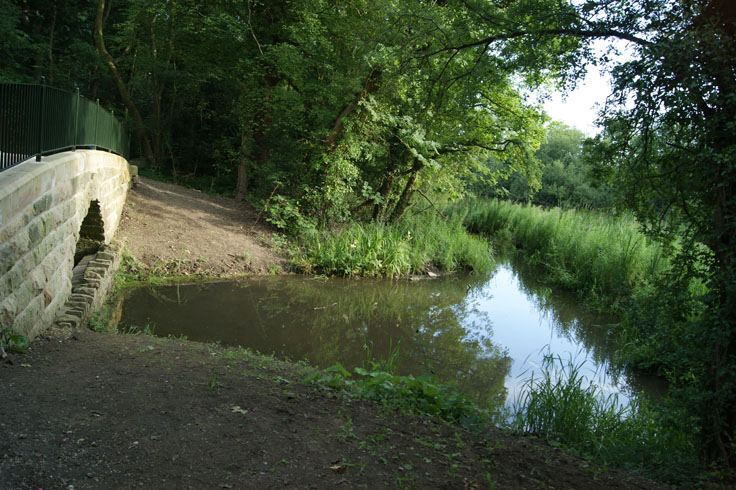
{"points": [[412, 246], [563, 406], [598, 255]]}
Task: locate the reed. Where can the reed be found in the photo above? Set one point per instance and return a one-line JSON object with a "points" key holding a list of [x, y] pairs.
{"points": [[413, 246], [562, 405], [598, 255]]}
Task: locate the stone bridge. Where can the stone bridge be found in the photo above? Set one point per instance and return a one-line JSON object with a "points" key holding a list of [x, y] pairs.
{"points": [[52, 213]]}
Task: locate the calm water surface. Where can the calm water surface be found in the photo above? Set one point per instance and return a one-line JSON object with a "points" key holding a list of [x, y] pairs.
{"points": [[484, 333]]}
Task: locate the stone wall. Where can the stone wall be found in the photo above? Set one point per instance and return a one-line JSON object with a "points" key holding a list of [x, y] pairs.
{"points": [[42, 207]]}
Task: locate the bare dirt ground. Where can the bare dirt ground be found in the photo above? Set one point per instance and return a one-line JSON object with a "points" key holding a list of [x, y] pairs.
{"points": [[89, 410], [185, 231]]}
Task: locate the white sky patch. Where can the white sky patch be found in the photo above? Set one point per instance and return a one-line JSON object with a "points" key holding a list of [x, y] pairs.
{"points": [[579, 108]]}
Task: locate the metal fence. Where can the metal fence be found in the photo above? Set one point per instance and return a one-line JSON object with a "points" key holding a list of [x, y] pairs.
{"points": [[38, 120]]}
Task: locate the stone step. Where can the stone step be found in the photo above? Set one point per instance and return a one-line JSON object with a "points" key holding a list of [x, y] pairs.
{"points": [[78, 271]]}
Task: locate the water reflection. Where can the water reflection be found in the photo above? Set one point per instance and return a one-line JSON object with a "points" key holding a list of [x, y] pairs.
{"points": [[483, 333], [339, 320]]}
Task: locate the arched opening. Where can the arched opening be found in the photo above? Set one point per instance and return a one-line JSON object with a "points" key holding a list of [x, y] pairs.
{"points": [[91, 233]]}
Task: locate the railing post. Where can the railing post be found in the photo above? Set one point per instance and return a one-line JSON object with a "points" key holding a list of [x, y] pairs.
{"points": [[97, 117], [41, 119], [111, 131], [76, 119]]}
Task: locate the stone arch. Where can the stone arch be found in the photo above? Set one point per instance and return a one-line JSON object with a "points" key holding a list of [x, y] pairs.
{"points": [[42, 218], [91, 232]]}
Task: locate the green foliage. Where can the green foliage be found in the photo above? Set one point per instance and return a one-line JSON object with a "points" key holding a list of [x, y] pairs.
{"points": [[565, 177], [284, 214], [148, 329], [421, 395], [600, 256], [11, 341], [668, 146], [412, 246]]}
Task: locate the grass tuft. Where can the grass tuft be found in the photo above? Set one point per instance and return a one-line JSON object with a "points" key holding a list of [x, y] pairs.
{"points": [[414, 246]]}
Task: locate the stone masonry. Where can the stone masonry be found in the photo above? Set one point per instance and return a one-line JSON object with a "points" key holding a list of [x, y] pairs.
{"points": [[42, 207]]}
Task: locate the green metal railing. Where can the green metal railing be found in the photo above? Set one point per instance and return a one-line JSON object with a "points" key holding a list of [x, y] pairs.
{"points": [[37, 120]]}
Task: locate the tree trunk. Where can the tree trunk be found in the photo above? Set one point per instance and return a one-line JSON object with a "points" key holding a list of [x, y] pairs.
{"points": [[338, 127], [379, 210], [122, 89], [241, 188], [406, 194]]}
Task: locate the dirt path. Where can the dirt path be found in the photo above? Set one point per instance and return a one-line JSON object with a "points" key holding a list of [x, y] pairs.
{"points": [[88, 410], [104, 411], [167, 226]]}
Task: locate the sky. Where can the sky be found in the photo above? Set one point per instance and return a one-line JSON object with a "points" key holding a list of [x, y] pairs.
{"points": [[579, 108]]}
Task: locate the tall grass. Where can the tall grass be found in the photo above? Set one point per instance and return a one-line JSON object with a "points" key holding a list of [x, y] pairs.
{"points": [[562, 405], [414, 246], [597, 255]]}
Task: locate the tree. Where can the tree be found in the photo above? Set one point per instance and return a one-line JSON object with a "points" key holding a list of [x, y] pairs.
{"points": [[672, 154], [668, 143]]}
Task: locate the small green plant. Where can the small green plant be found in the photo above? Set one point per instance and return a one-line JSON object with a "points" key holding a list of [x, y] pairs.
{"points": [[275, 269], [98, 322], [423, 394], [213, 383], [148, 329], [11, 341]]}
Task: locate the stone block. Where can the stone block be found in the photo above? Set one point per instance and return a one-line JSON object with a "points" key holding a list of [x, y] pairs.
{"points": [[105, 254], [23, 295], [42, 204], [7, 257], [35, 232], [91, 275], [11, 280], [25, 321], [7, 312]]}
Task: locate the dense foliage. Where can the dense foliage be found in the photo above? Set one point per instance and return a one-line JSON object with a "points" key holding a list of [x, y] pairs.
{"points": [[564, 177], [341, 110]]}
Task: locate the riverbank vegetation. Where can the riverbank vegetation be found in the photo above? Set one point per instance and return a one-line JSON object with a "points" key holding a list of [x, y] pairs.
{"points": [[343, 121], [600, 256], [417, 245]]}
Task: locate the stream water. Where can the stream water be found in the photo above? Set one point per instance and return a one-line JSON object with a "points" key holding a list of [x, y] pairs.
{"points": [[484, 333]]}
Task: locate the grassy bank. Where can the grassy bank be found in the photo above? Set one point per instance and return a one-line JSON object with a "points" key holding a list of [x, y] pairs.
{"points": [[413, 246], [603, 258]]}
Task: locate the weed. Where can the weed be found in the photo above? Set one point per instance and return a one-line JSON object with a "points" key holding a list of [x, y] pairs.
{"points": [[561, 405], [423, 394], [596, 255], [98, 321], [213, 383], [148, 329], [412, 246], [12, 341], [275, 269]]}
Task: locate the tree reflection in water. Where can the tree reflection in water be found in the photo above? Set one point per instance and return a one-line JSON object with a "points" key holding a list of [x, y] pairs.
{"points": [[324, 321]]}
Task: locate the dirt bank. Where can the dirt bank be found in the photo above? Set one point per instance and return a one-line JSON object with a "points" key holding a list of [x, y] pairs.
{"points": [[172, 228], [92, 410]]}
